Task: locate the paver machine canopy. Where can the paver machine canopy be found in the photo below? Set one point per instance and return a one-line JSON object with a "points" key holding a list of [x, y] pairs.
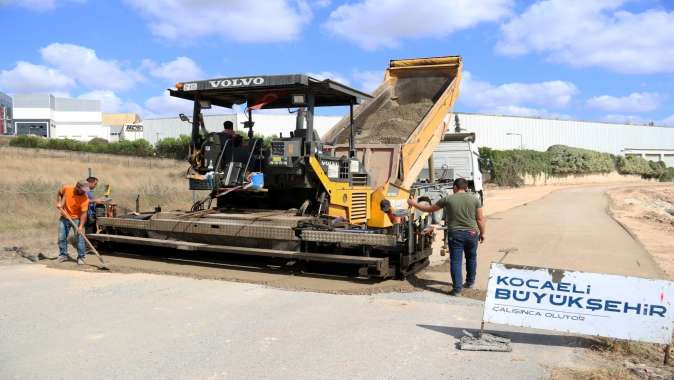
{"points": [[227, 159]]}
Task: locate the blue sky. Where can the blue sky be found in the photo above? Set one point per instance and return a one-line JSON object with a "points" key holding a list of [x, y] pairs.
{"points": [[610, 60]]}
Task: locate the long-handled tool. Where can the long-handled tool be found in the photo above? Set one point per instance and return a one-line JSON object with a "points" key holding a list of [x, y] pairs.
{"points": [[77, 231]]}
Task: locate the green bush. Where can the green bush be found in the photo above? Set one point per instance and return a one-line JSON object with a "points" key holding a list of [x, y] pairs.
{"points": [[140, 148], [567, 160], [27, 141], [510, 166], [98, 141], [177, 148], [659, 168], [636, 165], [667, 176]]}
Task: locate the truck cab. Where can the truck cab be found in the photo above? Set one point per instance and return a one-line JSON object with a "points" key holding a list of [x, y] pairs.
{"points": [[456, 156]]}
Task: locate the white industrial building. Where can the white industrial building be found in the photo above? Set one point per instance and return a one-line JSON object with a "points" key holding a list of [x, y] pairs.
{"points": [[123, 126], [6, 125], [514, 132], [55, 117], [493, 131]]}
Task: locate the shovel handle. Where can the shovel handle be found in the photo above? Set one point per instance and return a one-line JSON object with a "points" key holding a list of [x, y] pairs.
{"points": [[77, 231]]}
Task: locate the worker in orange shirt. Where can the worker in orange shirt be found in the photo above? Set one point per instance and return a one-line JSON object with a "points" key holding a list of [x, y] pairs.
{"points": [[72, 201]]}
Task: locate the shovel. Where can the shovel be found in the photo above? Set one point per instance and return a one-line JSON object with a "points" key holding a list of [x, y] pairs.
{"points": [[103, 265]]}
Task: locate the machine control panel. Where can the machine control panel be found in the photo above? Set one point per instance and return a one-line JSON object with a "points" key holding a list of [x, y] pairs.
{"points": [[283, 152]]}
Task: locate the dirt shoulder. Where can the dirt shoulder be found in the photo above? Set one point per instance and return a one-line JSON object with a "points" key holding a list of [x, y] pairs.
{"points": [[648, 214]]}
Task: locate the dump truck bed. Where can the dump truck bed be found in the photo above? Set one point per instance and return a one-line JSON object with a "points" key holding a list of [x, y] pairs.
{"points": [[399, 110], [406, 117]]}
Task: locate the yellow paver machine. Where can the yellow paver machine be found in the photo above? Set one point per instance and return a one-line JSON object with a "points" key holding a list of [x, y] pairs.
{"points": [[302, 198]]}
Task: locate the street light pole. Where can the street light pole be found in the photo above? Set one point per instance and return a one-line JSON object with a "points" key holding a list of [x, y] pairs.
{"points": [[517, 134]]}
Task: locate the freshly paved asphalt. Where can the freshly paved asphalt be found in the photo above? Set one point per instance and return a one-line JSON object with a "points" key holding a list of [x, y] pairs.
{"points": [[567, 229], [71, 324]]}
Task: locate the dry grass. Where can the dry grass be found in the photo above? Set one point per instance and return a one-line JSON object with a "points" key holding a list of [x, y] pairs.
{"points": [[30, 179], [647, 353], [591, 374]]}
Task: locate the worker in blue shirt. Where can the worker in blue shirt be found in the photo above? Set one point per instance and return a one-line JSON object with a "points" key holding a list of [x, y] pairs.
{"points": [[90, 226]]}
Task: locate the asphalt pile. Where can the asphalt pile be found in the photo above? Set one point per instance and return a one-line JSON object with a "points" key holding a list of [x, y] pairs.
{"points": [[397, 116], [393, 123]]}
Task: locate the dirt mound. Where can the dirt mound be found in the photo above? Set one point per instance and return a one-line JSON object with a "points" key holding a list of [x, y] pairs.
{"points": [[648, 213]]}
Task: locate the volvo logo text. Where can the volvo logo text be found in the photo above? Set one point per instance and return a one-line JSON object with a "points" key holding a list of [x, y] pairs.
{"points": [[236, 82]]}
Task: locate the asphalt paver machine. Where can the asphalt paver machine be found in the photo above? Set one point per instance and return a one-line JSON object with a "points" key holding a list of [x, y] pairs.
{"points": [[299, 198]]}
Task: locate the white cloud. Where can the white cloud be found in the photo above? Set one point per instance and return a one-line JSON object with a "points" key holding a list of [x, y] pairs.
{"points": [[87, 68], [377, 23], [165, 105], [234, 20], [593, 33], [368, 80], [27, 77], [516, 98], [112, 103], [180, 69], [634, 102], [37, 5], [330, 75]]}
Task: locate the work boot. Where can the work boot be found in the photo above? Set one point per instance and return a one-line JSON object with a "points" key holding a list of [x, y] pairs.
{"points": [[467, 285], [80, 261], [61, 259], [455, 292]]}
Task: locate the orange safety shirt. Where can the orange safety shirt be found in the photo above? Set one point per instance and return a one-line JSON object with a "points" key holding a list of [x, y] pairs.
{"points": [[74, 205]]}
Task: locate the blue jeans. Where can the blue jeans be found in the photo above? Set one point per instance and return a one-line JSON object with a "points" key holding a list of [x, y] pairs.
{"points": [[64, 227], [463, 242]]}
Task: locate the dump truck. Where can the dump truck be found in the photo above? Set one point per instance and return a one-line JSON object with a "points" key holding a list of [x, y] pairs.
{"points": [[337, 200], [457, 156]]}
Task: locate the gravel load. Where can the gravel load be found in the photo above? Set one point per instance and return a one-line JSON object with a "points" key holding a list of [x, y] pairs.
{"points": [[394, 118]]}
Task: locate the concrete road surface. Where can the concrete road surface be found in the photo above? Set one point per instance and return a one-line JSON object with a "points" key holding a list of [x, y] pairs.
{"points": [[57, 324], [568, 229]]}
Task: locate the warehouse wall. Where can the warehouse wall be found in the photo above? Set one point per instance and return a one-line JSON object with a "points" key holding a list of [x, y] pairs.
{"points": [[80, 131], [539, 134], [491, 131], [272, 125], [265, 124], [162, 128]]}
